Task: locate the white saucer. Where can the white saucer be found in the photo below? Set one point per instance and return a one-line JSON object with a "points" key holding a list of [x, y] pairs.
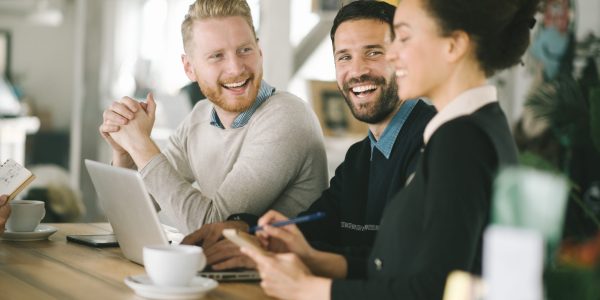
{"points": [[41, 232], [143, 286]]}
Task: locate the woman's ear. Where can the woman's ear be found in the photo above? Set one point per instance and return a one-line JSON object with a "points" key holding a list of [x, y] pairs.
{"points": [[459, 44], [189, 69]]}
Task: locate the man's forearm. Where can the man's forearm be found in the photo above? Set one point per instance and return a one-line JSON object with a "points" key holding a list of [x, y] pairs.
{"points": [[142, 153], [122, 160]]}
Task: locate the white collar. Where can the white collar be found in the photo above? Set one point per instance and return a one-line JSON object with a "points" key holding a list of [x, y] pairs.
{"points": [[465, 104]]}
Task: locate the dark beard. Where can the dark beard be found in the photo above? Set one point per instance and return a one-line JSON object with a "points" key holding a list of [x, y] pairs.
{"points": [[384, 106]]}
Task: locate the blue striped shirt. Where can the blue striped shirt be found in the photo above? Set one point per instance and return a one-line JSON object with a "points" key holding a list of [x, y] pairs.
{"points": [[242, 119], [388, 138]]}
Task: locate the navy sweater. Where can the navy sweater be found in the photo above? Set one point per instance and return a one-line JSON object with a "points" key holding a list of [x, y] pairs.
{"points": [[360, 190]]}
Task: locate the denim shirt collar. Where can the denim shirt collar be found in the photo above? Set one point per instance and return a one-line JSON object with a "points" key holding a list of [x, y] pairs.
{"points": [[265, 91], [388, 138]]}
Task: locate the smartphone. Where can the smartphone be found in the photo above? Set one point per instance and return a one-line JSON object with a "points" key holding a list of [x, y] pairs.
{"points": [[94, 240], [243, 239]]}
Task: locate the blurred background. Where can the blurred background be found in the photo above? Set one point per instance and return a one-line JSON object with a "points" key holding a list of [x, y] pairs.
{"points": [[63, 61]]}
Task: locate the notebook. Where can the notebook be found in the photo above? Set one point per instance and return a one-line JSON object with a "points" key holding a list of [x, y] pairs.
{"points": [[133, 217], [13, 178]]}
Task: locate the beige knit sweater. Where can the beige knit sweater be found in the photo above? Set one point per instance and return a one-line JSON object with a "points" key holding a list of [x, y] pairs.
{"points": [[276, 161]]}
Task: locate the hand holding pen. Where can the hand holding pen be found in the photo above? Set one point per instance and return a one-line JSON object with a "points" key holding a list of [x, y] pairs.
{"points": [[306, 218], [279, 238]]}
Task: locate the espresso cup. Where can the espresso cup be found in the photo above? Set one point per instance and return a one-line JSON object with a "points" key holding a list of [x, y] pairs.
{"points": [[25, 215], [173, 265]]}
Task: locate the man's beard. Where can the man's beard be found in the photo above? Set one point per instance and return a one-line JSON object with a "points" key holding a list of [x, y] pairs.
{"points": [[241, 103], [379, 110]]}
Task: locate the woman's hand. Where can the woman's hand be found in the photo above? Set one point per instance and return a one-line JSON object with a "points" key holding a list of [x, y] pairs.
{"points": [[283, 239], [284, 276], [289, 238]]}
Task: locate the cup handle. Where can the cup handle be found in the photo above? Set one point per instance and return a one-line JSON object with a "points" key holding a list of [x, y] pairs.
{"points": [[43, 214]]}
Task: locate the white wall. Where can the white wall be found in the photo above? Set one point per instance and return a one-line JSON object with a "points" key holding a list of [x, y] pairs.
{"points": [[588, 17], [42, 63], [277, 51]]}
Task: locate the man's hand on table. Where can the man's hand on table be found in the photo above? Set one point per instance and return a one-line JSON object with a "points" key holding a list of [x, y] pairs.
{"points": [[221, 254]]}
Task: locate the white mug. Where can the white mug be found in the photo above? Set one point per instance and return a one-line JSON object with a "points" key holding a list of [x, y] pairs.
{"points": [[173, 265], [25, 215]]}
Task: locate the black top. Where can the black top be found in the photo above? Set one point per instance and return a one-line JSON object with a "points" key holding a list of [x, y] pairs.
{"points": [[361, 188], [435, 224]]}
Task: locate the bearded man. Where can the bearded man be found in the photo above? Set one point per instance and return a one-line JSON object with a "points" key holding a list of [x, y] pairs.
{"points": [[250, 148]]}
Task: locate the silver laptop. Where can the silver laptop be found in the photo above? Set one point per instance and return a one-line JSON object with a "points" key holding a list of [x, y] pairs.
{"points": [[133, 217], [128, 207]]}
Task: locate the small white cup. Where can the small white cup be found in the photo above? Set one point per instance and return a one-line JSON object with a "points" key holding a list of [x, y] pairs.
{"points": [[25, 215], [173, 265]]}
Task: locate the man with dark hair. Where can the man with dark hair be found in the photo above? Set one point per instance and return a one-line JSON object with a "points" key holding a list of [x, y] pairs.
{"points": [[374, 169]]}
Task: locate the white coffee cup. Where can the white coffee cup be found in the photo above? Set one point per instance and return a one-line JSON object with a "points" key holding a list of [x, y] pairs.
{"points": [[173, 265], [25, 215]]}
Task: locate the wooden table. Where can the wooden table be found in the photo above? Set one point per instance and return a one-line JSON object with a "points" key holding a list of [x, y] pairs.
{"points": [[57, 269]]}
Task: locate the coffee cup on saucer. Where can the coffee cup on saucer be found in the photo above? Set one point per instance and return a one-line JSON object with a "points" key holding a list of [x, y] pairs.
{"points": [[25, 215], [173, 265]]}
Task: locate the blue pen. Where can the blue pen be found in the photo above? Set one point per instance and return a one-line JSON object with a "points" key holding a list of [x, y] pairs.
{"points": [[312, 217]]}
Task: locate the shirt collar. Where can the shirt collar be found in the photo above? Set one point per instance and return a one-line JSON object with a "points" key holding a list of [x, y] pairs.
{"points": [[465, 104], [264, 92], [388, 138]]}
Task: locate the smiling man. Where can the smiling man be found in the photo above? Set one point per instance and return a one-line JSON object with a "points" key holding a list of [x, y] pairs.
{"points": [[248, 149], [380, 165], [374, 169]]}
